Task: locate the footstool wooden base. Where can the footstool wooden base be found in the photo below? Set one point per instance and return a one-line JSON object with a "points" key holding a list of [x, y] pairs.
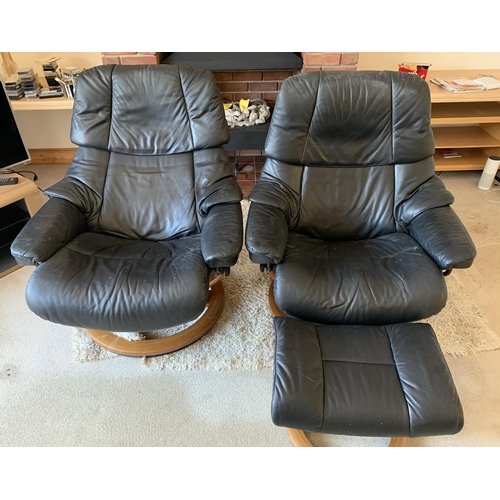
{"points": [[378, 381]]}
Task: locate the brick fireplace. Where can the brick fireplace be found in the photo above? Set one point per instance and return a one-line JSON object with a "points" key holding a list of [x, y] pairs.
{"points": [[250, 83]]}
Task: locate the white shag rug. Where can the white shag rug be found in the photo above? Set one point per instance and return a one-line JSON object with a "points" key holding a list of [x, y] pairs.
{"points": [[243, 337]]}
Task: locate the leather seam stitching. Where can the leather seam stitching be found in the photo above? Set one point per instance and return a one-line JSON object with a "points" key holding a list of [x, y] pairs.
{"points": [[400, 383], [367, 363], [310, 122], [98, 222], [186, 108], [323, 381], [196, 204], [395, 229]]}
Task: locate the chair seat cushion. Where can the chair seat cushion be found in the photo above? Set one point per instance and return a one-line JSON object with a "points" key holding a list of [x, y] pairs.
{"points": [[109, 283], [383, 381], [385, 280]]}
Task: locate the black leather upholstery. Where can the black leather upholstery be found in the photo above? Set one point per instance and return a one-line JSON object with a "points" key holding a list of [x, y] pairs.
{"points": [[348, 207], [363, 380], [148, 207]]}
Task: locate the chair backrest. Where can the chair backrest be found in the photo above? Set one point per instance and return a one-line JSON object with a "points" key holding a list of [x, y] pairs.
{"points": [[351, 148], [150, 161]]}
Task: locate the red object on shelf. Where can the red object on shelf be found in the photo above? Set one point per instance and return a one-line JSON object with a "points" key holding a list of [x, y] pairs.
{"points": [[419, 69]]}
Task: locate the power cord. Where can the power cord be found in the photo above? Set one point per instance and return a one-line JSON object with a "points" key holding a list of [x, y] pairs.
{"points": [[21, 173], [483, 196]]}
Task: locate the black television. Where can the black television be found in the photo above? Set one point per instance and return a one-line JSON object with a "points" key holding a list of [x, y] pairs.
{"points": [[13, 151]]}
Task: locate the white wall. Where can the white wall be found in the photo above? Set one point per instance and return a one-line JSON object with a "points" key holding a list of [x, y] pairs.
{"points": [[49, 129], [45, 129]]}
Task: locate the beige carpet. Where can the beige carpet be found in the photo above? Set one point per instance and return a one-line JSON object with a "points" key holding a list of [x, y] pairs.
{"points": [[243, 338]]}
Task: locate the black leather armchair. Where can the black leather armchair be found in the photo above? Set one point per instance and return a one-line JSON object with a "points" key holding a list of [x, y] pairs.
{"points": [[147, 216], [348, 212]]}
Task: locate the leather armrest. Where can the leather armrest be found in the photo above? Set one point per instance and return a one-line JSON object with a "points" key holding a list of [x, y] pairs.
{"points": [[52, 227], [222, 235], [266, 234], [443, 236]]}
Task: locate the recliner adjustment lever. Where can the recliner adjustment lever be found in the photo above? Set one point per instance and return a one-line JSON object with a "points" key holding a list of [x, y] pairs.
{"points": [[222, 270]]}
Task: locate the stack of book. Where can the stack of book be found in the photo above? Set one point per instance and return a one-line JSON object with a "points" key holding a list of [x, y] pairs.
{"points": [[14, 88], [29, 82], [49, 67], [461, 84], [54, 89]]}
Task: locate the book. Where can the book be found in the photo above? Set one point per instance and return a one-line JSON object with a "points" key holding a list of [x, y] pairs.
{"points": [[461, 84], [466, 83], [488, 82], [448, 153], [451, 85]]}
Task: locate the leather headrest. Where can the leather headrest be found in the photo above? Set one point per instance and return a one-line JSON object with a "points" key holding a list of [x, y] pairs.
{"points": [[347, 118], [148, 109]]}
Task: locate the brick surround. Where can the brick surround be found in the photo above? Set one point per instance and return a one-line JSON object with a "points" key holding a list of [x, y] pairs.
{"points": [[251, 84], [236, 85]]}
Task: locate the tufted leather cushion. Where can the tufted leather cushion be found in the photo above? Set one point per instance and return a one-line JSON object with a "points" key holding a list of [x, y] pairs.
{"points": [[179, 110], [389, 279], [330, 118], [105, 282], [363, 380], [150, 163]]}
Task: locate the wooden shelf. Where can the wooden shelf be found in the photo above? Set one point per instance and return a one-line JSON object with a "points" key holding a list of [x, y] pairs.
{"points": [[471, 159], [463, 137], [466, 122], [465, 113], [24, 189], [438, 94], [48, 104]]}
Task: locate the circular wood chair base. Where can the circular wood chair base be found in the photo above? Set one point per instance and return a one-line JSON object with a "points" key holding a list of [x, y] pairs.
{"points": [[300, 440], [165, 345], [276, 311]]}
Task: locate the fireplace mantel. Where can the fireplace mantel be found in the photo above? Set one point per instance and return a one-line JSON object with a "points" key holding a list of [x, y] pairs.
{"points": [[236, 61]]}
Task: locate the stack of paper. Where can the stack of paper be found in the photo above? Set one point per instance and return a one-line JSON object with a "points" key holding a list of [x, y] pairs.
{"points": [[488, 82], [461, 84]]}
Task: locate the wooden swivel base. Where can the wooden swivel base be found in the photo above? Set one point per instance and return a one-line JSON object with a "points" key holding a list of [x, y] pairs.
{"points": [[272, 304], [297, 437], [300, 440], [156, 347]]}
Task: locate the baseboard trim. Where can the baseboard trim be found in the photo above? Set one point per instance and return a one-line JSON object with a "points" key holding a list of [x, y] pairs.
{"points": [[61, 156]]}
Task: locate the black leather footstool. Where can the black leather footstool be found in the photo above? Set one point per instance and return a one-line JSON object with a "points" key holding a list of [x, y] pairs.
{"points": [[385, 381]]}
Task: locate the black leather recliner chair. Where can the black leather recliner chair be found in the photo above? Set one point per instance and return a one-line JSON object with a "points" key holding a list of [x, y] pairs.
{"points": [[348, 212], [147, 215], [358, 232]]}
